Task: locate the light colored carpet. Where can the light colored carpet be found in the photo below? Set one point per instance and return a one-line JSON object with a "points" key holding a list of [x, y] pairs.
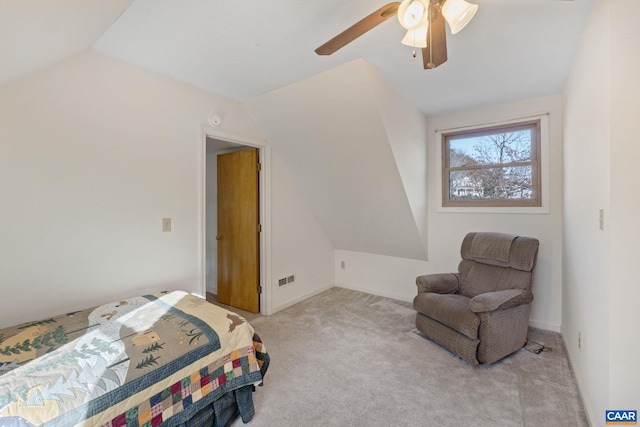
{"points": [[345, 358], [213, 298]]}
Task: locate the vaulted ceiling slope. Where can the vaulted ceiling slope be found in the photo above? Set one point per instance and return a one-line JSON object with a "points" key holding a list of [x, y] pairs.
{"points": [[511, 50], [37, 33], [330, 131]]}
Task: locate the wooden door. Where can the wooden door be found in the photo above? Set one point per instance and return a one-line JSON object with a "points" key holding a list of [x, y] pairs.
{"points": [[238, 234]]}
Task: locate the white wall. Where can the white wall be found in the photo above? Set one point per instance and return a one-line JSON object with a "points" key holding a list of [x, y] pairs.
{"points": [[300, 246], [601, 151], [624, 292], [586, 258], [93, 154], [395, 277]]}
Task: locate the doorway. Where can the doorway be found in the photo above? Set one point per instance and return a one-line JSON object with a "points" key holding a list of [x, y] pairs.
{"points": [[214, 146], [238, 231]]}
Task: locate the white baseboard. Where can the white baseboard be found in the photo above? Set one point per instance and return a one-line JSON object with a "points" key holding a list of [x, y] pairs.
{"points": [[585, 402], [533, 323], [544, 325], [375, 292], [301, 298]]}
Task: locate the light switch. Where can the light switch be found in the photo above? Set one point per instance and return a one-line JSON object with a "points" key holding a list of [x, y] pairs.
{"points": [[166, 224]]}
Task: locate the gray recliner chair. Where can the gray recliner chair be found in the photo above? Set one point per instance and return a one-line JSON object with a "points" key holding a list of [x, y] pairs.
{"points": [[482, 312]]}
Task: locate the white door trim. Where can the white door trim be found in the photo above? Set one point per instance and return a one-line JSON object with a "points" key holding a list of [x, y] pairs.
{"points": [[264, 153]]}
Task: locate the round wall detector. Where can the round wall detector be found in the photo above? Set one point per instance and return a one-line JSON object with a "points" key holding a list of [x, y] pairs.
{"points": [[215, 120]]}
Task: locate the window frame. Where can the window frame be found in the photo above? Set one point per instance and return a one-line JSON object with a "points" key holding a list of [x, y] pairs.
{"points": [[537, 126]]}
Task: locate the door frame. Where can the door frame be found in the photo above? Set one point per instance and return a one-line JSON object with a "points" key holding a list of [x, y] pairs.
{"points": [[264, 156]]}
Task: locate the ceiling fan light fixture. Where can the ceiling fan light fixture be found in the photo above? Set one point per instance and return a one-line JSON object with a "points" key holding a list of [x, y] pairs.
{"points": [[416, 37], [413, 13], [458, 13]]}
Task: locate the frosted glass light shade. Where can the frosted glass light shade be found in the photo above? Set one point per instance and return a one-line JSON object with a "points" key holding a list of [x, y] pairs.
{"points": [[458, 13], [413, 13], [416, 37]]}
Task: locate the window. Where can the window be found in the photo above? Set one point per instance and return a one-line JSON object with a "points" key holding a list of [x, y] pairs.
{"points": [[493, 167]]}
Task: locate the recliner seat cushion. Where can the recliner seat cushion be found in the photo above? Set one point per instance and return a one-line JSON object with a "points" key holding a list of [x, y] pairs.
{"points": [[451, 310]]}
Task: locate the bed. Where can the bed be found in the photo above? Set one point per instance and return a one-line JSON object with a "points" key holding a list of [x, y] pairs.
{"points": [[169, 359]]}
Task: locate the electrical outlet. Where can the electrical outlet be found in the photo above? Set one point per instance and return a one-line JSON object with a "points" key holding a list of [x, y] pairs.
{"points": [[342, 265], [601, 217], [166, 224]]}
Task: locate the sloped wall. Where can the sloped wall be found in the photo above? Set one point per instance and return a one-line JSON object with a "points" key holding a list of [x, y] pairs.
{"points": [[406, 128], [330, 133], [38, 33]]}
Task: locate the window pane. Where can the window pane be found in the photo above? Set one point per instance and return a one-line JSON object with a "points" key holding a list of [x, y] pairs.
{"points": [[488, 149], [513, 183]]}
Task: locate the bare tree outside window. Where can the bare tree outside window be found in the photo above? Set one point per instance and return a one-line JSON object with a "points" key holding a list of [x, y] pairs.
{"points": [[495, 166]]}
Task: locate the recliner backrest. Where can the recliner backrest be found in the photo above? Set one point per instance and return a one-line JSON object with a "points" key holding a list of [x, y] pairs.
{"points": [[496, 261]]}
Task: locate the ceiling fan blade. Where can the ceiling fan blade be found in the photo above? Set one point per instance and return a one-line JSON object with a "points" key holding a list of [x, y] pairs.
{"points": [[359, 28], [435, 53]]}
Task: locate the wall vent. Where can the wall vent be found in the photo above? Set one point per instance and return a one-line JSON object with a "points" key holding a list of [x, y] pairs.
{"points": [[286, 280]]}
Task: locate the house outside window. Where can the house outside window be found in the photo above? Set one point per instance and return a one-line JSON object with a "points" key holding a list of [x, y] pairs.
{"points": [[495, 166]]}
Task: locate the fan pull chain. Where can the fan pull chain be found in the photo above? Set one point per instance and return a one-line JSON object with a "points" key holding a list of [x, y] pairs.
{"points": [[430, 64], [414, 42]]}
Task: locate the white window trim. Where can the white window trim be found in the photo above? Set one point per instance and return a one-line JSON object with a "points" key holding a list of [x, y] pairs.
{"points": [[544, 169]]}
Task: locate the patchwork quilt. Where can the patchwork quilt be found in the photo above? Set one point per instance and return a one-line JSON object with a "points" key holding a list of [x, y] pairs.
{"points": [[143, 361]]}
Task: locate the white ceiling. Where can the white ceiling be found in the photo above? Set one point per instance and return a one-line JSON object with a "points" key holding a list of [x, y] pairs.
{"points": [[512, 49], [36, 33]]}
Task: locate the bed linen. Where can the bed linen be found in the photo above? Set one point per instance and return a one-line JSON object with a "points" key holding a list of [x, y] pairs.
{"points": [[169, 359]]}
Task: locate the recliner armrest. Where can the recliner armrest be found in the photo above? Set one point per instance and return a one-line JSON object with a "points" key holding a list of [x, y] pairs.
{"points": [[438, 283], [500, 300]]}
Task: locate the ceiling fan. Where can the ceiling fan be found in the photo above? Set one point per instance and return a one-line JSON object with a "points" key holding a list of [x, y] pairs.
{"points": [[424, 21]]}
